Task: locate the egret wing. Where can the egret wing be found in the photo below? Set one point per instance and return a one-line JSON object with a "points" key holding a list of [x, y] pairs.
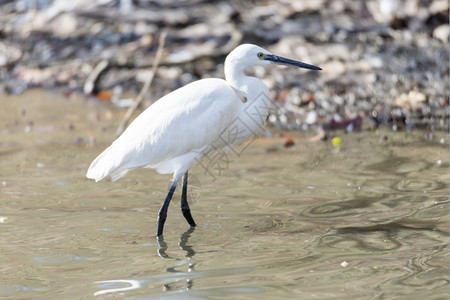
{"points": [[171, 133]]}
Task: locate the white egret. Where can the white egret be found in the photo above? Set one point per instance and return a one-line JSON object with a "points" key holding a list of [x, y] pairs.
{"points": [[181, 127]]}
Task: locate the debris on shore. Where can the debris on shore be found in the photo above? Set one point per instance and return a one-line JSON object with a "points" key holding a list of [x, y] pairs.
{"points": [[384, 62]]}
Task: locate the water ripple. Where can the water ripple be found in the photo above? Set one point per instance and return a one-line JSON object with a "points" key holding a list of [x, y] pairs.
{"points": [[396, 164], [416, 184]]}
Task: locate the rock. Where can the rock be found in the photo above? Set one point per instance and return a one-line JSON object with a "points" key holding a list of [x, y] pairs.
{"points": [[64, 25], [438, 6], [441, 33], [311, 117], [10, 53], [413, 98]]}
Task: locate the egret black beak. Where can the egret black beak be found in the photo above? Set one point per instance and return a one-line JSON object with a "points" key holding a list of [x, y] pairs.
{"points": [[286, 61]]}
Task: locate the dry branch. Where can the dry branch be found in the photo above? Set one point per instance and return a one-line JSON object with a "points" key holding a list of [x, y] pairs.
{"points": [[140, 97]]}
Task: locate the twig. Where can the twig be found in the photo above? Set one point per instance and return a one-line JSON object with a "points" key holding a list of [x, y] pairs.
{"points": [[140, 97], [319, 136], [92, 81]]}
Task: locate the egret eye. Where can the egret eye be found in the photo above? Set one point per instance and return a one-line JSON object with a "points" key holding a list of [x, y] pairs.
{"points": [[260, 55]]}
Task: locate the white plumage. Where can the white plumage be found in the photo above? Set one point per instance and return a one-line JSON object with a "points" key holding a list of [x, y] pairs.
{"points": [[178, 129], [170, 135]]}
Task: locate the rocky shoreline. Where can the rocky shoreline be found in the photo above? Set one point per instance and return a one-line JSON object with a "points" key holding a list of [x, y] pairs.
{"points": [[384, 62]]}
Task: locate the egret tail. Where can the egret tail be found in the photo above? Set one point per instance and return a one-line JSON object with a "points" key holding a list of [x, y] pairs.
{"points": [[106, 164]]}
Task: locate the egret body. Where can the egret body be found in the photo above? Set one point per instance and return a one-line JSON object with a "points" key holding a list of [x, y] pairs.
{"points": [[181, 127]]}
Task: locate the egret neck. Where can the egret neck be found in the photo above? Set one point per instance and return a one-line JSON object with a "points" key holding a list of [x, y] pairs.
{"points": [[253, 93]]}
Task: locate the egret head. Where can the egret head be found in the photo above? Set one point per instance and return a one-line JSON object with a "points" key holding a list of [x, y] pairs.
{"points": [[251, 55]]}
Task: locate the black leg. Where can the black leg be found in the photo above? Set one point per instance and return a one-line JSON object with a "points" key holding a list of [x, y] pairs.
{"points": [[184, 203], [163, 210]]}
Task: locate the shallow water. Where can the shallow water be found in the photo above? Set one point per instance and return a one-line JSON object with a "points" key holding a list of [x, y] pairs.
{"points": [[367, 219]]}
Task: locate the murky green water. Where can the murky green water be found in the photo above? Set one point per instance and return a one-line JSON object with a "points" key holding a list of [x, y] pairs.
{"points": [[365, 220]]}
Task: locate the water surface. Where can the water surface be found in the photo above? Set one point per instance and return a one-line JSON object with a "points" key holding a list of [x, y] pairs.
{"points": [[367, 219]]}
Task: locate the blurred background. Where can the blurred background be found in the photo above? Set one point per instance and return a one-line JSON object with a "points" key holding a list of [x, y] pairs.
{"points": [[384, 61], [307, 210]]}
